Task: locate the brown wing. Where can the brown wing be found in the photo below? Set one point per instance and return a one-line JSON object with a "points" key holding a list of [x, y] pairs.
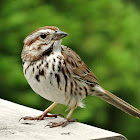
{"points": [[79, 69]]}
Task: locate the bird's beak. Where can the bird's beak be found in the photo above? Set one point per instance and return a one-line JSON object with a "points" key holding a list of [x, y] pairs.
{"points": [[60, 34]]}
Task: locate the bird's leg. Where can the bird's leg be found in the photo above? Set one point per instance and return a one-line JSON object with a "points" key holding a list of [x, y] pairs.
{"points": [[64, 122], [44, 114]]}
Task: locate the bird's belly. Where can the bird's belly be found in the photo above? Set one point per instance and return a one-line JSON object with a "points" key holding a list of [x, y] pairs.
{"points": [[47, 87]]}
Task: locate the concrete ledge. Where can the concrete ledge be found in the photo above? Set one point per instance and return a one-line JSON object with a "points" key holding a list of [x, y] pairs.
{"points": [[11, 129]]}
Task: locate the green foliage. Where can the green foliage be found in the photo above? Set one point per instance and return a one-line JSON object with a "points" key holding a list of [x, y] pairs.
{"points": [[106, 35]]}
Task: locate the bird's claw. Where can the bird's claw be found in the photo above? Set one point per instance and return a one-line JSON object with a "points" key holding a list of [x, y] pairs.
{"points": [[62, 123], [41, 117]]}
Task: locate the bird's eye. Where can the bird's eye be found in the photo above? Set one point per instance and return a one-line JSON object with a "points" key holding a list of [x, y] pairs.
{"points": [[43, 36]]}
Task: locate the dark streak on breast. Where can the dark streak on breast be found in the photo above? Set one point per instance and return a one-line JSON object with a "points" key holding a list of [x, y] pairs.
{"points": [[66, 80], [53, 67], [51, 78], [59, 66], [41, 72], [33, 69], [57, 76], [37, 78], [27, 68], [47, 65]]}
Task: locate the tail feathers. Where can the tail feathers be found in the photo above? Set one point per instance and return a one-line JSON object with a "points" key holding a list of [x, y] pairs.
{"points": [[119, 103]]}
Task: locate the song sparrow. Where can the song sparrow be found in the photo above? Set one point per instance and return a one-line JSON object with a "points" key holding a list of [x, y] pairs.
{"points": [[57, 73]]}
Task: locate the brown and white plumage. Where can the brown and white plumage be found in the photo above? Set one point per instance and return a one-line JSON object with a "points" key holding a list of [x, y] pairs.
{"points": [[57, 73]]}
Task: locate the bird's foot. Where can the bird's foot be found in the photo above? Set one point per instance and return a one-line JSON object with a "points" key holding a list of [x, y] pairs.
{"points": [[62, 123], [41, 117]]}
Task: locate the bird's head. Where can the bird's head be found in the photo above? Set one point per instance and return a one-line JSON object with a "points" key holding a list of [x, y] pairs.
{"points": [[41, 40]]}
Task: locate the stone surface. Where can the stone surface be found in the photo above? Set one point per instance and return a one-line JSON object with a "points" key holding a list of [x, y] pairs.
{"points": [[12, 129]]}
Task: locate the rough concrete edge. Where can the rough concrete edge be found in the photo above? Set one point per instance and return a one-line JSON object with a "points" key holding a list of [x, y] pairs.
{"points": [[121, 137]]}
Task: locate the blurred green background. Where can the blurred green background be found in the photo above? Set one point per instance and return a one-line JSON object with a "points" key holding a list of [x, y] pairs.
{"points": [[106, 35]]}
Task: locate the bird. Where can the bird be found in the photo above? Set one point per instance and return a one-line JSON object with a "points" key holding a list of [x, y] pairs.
{"points": [[58, 74]]}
